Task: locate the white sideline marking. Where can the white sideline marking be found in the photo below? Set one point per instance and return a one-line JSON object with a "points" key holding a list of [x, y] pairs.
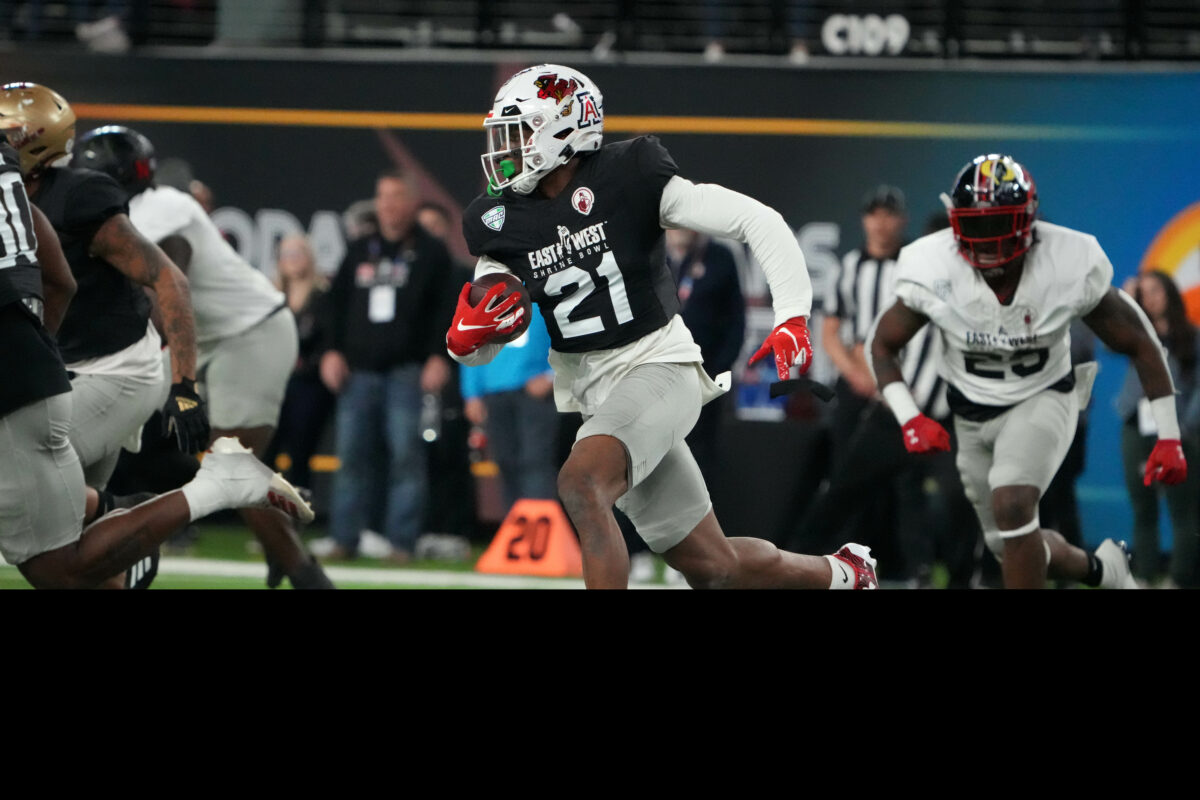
{"points": [[217, 568], [382, 577]]}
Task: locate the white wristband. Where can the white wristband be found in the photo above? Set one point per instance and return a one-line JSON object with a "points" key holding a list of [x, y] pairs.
{"points": [[1163, 409], [900, 400]]}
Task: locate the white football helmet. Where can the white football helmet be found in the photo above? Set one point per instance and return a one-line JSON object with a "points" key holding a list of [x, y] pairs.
{"points": [[541, 117]]}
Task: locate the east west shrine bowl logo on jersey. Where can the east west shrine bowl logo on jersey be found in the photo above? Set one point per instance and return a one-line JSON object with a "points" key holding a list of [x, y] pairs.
{"points": [[571, 250], [494, 218]]}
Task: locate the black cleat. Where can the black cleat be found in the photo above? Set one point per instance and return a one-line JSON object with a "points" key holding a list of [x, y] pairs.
{"points": [[275, 574], [142, 574], [311, 576]]}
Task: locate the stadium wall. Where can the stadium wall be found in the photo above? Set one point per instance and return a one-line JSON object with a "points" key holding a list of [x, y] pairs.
{"points": [[288, 143]]}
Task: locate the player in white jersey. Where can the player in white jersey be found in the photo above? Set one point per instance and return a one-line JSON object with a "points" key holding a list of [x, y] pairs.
{"points": [[1002, 290], [245, 334]]}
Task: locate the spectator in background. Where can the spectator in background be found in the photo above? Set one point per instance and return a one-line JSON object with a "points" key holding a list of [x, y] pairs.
{"points": [[308, 402], [388, 311], [451, 485], [203, 195], [712, 307], [714, 310], [359, 220], [436, 221], [784, 14], [102, 32], [1159, 297], [512, 399]]}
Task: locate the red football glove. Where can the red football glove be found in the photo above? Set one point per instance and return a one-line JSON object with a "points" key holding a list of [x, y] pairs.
{"points": [[790, 343], [473, 326], [923, 435], [1166, 463]]}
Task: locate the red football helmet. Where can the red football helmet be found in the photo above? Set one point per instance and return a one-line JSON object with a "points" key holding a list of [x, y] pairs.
{"points": [[992, 208]]}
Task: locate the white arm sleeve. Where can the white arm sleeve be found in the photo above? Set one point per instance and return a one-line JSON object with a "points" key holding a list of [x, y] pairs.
{"points": [[485, 354], [717, 211], [163, 212]]}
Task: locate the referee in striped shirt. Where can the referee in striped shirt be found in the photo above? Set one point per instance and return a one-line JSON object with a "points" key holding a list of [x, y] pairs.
{"points": [[870, 465]]}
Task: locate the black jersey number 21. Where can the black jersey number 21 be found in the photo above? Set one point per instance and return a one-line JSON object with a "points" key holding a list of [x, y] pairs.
{"points": [[584, 287]]}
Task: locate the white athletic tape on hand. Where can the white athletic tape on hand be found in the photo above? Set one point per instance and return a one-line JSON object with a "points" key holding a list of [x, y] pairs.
{"points": [[900, 401], [1163, 410]]}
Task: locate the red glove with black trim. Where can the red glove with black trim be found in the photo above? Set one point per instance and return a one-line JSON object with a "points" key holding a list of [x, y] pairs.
{"points": [[924, 435], [473, 326], [1166, 463], [790, 343]]}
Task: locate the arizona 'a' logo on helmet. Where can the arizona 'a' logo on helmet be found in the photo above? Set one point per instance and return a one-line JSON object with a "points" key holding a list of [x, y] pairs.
{"points": [[39, 124], [540, 119], [992, 207]]}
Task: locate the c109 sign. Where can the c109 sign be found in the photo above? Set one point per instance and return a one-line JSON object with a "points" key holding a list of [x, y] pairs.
{"points": [[868, 35]]}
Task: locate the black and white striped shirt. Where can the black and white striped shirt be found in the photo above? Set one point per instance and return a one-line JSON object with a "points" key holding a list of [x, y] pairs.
{"points": [[863, 289]]}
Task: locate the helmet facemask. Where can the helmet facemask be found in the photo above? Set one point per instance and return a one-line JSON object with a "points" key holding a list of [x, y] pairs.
{"points": [[992, 210], [512, 158], [992, 237]]}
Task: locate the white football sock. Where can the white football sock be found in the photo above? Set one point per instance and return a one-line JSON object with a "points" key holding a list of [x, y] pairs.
{"points": [[204, 496]]}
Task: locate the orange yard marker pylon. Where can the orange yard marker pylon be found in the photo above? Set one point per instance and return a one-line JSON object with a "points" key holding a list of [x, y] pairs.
{"points": [[535, 538]]}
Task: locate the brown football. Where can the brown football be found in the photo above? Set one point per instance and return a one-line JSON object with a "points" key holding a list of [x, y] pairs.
{"points": [[480, 287]]}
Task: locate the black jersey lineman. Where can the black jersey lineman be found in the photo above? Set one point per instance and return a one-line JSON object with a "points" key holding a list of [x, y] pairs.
{"points": [[587, 255], [110, 312]]}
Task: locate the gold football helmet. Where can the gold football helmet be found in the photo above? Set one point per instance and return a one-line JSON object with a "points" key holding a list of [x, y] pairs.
{"points": [[39, 123]]}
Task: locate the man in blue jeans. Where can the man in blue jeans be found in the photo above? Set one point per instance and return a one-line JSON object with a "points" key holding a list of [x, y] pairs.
{"points": [[389, 306], [512, 398]]}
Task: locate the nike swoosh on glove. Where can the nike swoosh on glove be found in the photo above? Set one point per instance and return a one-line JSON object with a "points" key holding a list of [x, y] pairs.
{"points": [[790, 343], [473, 326], [923, 435], [185, 416], [1166, 463]]}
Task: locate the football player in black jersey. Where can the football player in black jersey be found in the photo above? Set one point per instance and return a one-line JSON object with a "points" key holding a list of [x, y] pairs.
{"points": [[42, 491], [577, 223], [106, 338]]}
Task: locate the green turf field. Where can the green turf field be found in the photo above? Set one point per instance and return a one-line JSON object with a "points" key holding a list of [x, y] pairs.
{"points": [[226, 556]]}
